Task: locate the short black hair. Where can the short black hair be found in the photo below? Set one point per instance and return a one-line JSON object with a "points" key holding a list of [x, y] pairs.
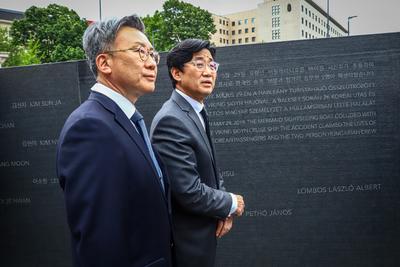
{"points": [[183, 53]]}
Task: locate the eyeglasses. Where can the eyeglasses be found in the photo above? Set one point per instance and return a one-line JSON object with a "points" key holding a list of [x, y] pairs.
{"points": [[200, 65], [143, 53]]}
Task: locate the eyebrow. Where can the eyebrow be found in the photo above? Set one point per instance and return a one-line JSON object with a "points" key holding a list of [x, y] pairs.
{"points": [[204, 57], [143, 45]]}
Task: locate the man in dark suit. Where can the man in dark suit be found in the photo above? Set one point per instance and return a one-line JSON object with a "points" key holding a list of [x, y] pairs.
{"points": [[116, 192], [201, 208]]}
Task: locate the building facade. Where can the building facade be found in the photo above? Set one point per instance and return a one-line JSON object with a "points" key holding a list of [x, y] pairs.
{"points": [[275, 20], [8, 16]]}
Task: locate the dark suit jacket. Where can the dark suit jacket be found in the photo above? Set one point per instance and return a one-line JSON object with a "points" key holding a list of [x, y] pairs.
{"points": [[116, 209], [198, 198]]}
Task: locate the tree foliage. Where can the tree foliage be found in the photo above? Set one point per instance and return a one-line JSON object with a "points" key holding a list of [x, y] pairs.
{"points": [[178, 21], [21, 56], [17, 55], [53, 33], [5, 40]]}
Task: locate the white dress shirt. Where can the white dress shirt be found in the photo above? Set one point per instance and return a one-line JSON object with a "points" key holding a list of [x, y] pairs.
{"points": [[122, 102]]}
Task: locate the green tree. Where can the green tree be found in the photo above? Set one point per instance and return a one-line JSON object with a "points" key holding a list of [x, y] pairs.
{"points": [[53, 33], [154, 29], [18, 55], [21, 55], [178, 21], [5, 40]]}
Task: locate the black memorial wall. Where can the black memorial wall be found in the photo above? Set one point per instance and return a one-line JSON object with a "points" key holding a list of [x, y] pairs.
{"points": [[307, 131]]}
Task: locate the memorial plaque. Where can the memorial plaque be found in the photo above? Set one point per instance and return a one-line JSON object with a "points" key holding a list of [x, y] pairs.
{"points": [[34, 103], [307, 131]]}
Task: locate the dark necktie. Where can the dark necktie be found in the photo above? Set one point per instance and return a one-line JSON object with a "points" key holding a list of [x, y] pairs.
{"points": [[203, 113], [137, 119]]}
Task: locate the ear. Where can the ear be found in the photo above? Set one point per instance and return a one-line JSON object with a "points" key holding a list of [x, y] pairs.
{"points": [[104, 63], [176, 74]]}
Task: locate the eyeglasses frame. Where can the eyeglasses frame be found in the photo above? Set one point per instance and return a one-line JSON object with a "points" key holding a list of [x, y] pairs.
{"points": [[156, 56]]}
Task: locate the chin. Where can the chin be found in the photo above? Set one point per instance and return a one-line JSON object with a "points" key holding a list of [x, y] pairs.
{"points": [[208, 91], [149, 88]]}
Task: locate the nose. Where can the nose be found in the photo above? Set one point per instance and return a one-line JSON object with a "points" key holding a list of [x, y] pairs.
{"points": [[150, 63], [207, 71]]}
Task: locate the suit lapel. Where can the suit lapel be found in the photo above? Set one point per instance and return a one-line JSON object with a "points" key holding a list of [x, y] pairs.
{"points": [[186, 107], [127, 125], [192, 115]]}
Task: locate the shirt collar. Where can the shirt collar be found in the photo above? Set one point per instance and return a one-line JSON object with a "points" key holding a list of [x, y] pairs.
{"points": [[122, 102], [197, 106]]}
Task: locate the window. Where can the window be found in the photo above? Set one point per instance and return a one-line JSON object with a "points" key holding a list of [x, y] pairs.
{"points": [[309, 13], [276, 10], [306, 11], [223, 22], [233, 41], [220, 31], [246, 30], [239, 22], [233, 32], [253, 20], [253, 29], [223, 31], [233, 23], [220, 40], [312, 26], [302, 33], [246, 21], [276, 34], [276, 22], [240, 31], [306, 35], [306, 23], [240, 40], [220, 21], [302, 8], [253, 39], [246, 40], [302, 20], [289, 7]]}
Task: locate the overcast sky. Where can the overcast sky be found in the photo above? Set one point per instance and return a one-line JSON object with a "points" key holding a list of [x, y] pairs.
{"points": [[374, 16]]}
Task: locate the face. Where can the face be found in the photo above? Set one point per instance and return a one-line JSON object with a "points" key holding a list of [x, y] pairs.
{"points": [[130, 75], [197, 84]]}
